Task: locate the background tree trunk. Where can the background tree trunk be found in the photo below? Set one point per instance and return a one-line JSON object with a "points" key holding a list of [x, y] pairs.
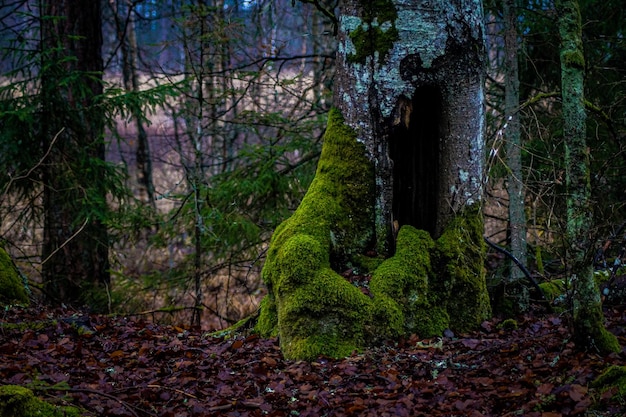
{"points": [[589, 331], [513, 148], [125, 24], [75, 248]]}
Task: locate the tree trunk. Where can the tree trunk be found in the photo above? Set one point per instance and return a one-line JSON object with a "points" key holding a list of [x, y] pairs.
{"points": [[513, 147], [125, 22], [589, 331], [397, 191], [411, 87], [75, 249]]}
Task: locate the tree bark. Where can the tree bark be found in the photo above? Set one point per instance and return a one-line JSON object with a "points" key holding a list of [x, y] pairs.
{"points": [[397, 191], [409, 81], [589, 330], [75, 248]]}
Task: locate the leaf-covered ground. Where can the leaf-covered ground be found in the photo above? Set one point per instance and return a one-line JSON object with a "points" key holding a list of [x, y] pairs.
{"points": [[129, 367]]}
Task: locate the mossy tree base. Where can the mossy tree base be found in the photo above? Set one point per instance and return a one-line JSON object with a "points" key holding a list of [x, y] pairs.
{"points": [[590, 333], [426, 287]]}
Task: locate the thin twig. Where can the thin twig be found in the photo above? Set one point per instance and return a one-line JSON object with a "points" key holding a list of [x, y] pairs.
{"points": [[523, 268], [129, 406], [173, 389], [66, 242], [30, 171]]}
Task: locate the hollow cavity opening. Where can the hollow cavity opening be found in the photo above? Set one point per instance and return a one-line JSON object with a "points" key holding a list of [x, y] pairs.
{"points": [[414, 147]]}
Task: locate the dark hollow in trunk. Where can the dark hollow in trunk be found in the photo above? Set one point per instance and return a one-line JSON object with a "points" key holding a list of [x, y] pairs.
{"points": [[414, 148]]}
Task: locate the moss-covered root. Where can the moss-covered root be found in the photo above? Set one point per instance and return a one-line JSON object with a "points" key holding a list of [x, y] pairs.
{"points": [[11, 286], [400, 289], [460, 270], [553, 289], [613, 377], [327, 316], [16, 401], [312, 309], [588, 326], [317, 311]]}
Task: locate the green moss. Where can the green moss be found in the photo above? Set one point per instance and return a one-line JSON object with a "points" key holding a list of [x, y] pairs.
{"points": [[12, 288], [298, 258], [238, 328], [365, 264], [613, 377], [570, 30], [16, 401], [606, 342], [407, 271], [387, 319], [552, 289], [434, 320], [326, 316], [573, 59], [337, 210], [400, 287], [315, 345], [309, 302], [460, 271], [555, 291], [267, 324], [588, 323], [23, 326], [508, 324], [601, 276], [589, 330], [377, 33]]}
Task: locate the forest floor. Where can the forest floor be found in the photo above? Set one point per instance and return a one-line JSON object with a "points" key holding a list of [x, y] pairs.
{"points": [[129, 367]]}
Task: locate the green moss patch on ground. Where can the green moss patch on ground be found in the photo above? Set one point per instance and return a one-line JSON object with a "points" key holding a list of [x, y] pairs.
{"points": [[612, 379], [16, 401]]}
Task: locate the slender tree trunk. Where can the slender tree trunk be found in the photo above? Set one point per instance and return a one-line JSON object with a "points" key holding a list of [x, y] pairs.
{"points": [[126, 35], [197, 177], [515, 182], [131, 83], [589, 331], [75, 248]]}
